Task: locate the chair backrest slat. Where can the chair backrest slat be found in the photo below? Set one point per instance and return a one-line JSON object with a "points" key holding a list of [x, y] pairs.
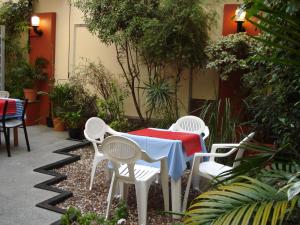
{"points": [[95, 128], [191, 124], [121, 150]]}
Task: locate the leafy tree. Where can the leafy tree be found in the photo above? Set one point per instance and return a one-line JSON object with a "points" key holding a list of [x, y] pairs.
{"points": [[177, 38], [153, 33], [120, 23]]}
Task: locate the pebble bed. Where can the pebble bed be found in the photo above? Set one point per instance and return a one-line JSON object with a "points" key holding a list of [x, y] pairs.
{"points": [[78, 178]]}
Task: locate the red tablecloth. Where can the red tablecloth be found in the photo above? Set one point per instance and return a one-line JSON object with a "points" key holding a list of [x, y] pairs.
{"points": [[11, 107], [191, 142]]}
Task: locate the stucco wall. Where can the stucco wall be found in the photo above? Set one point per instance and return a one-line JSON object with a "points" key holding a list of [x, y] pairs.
{"points": [[74, 43]]}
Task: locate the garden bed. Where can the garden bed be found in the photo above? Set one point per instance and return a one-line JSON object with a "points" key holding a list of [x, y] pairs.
{"points": [[78, 178]]}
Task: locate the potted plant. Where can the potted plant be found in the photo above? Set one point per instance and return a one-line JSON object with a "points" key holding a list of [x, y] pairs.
{"points": [[74, 123], [29, 75], [59, 95]]}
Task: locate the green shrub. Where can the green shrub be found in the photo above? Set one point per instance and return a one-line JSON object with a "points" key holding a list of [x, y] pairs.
{"points": [[230, 54], [111, 95], [91, 218]]}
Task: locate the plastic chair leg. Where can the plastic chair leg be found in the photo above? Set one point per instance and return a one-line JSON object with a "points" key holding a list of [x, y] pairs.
{"points": [[93, 174], [26, 136], [196, 183], [7, 141], [123, 190], [96, 161], [110, 195], [141, 190]]}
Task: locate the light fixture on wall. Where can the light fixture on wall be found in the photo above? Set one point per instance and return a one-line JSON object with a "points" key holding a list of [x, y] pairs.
{"points": [[240, 15], [35, 23]]}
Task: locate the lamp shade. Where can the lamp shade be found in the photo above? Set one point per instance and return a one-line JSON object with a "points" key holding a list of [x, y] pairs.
{"points": [[240, 14], [35, 21]]}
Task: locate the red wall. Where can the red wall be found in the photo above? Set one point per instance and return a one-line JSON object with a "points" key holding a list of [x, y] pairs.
{"points": [[44, 46]]}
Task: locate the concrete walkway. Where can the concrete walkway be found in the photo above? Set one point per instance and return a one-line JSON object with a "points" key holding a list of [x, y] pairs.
{"points": [[17, 194]]}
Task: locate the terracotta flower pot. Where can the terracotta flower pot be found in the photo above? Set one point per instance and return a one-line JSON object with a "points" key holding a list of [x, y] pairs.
{"points": [[58, 124], [30, 94]]}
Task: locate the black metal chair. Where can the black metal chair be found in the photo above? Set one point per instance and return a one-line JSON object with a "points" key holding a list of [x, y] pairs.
{"points": [[7, 124]]}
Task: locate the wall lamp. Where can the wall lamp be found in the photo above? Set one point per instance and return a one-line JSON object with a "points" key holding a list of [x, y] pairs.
{"points": [[240, 15], [35, 23]]}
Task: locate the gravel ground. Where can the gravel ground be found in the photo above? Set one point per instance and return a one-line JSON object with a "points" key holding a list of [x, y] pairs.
{"points": [[78, 174]]}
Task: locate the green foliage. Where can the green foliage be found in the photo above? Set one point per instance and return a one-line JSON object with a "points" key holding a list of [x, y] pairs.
{"points": [[73, 103], [159, 98], [60, 94], [112, 107], [151, 33], [178, 35], [247, 201], [72, 119], [275, 72], [273, 197], [231, 54], [218, 117], [15, 16], [176, 38], [122, 125], [116, 21], [90, 218], [28, 74], [112, 94]]}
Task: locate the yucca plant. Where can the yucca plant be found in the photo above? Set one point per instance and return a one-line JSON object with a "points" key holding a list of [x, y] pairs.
{"points": [[217, 116], [160, 101]]}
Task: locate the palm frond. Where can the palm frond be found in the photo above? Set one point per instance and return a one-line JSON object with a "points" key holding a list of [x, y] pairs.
{"points": [[279, 173], [248, 201]]}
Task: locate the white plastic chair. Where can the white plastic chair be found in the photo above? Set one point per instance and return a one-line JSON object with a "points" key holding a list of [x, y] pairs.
{"points": [[211, 169], [4, 94], [191, 124], [123, 153], [95, 129]]}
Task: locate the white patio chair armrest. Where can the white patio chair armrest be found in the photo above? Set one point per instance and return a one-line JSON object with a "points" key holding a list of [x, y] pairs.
{"points": [[206, 132], [112, 131], [91, 140], [214, 147], [214, 154], [150, 159]]}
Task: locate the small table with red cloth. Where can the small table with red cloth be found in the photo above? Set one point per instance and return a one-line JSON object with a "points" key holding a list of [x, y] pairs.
{"points": [[177, 146]]}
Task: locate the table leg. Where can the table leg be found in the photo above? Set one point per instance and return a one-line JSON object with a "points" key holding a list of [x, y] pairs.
{"points": [[176, 196], [16, 137]]}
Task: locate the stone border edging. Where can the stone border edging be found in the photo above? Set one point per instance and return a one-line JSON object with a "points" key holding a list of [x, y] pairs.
{"points": [[50, 203]]}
